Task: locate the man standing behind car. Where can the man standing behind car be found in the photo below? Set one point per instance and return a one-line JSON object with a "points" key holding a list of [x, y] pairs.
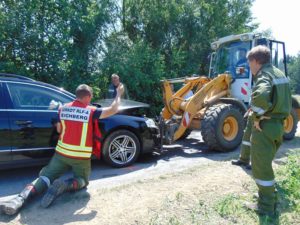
{"points": [[112, 89], [73, 150]]}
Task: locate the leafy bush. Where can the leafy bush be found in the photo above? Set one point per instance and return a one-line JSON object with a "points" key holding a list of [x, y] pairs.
{"points": [[140, 68], [289, 182]]}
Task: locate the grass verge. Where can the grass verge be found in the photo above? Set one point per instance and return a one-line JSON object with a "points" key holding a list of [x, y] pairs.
{"points": [[218, 207]]}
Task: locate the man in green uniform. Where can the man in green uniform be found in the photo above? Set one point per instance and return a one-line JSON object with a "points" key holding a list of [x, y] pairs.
{"points": [[270, 104]]}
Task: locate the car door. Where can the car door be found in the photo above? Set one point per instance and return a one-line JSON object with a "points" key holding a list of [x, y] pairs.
{"points": [[5, 138], [32, 119]]}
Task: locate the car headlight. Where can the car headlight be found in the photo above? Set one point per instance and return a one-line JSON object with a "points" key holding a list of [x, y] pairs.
{"points": [[150, 123]]}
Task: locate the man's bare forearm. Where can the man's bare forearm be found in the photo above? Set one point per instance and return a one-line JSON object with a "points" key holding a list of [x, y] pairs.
{"points": [[113, 108], [116, 103]]}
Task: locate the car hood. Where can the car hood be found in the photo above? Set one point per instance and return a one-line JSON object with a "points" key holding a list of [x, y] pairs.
{"points": [[128, 107]]}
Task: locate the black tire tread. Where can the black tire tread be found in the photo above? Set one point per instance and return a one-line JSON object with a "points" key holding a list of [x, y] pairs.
{"points": [[210, 125]]}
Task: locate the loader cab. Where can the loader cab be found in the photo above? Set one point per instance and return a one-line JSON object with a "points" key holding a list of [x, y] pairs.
{"points": [[230, 57], [278, 56]]}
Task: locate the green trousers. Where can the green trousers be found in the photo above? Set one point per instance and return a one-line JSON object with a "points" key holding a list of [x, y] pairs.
{"points": [[264, 146], [246, 145], [58, 166]]}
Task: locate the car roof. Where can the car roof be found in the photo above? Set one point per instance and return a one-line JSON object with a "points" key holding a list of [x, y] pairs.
{"points": [[8, 76], [27, 80]]}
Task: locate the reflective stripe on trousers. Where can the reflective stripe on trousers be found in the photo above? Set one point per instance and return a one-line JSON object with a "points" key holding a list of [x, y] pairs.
{"points": [[265, 183]]}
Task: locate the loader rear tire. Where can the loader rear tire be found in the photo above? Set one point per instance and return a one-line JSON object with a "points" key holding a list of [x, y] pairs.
{"points": [[290, 125], [222, 127]]}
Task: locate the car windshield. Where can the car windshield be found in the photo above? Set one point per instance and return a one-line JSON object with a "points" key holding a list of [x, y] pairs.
{"points": [[231, 58]]}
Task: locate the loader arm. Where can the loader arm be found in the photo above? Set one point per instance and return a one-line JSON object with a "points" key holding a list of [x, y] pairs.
{"points": [[207, 91], [172, 100]]}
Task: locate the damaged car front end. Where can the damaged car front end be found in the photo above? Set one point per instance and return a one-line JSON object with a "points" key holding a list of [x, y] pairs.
{"points": [[128, 134]]}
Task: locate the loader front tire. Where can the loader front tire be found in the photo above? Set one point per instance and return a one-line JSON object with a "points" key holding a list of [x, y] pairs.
{"points": [[222, 127]]}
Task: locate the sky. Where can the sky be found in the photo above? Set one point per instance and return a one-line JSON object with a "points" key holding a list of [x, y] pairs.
{"points": [[283, 18]]}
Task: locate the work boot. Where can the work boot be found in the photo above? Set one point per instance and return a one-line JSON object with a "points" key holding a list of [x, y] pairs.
{"points": [[241, 163], [56, 189], [248, 167], [12, 206], [256, 196], [255, 207]]}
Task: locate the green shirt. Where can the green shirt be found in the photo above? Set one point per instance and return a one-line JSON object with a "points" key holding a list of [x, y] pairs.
{"points": [[271, 95]]}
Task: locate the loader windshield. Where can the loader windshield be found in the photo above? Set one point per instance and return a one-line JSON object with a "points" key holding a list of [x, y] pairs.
{"points": [[231, 58]]}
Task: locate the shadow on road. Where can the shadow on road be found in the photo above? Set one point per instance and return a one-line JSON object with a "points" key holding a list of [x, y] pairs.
{"points": [[192, 147], [12, 181], [172, 157]]}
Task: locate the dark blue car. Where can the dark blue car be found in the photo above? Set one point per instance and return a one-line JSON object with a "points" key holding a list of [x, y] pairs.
{"points": [[28, 136]]}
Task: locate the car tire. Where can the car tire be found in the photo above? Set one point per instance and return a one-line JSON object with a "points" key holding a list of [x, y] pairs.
{"points": [[121, 148]]}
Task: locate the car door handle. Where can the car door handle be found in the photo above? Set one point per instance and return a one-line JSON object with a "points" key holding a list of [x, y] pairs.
{"points": [[26, 123]]}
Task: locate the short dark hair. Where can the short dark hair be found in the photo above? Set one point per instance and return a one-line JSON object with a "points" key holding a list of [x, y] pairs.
{"points": [[260, 53], [83, 90]]}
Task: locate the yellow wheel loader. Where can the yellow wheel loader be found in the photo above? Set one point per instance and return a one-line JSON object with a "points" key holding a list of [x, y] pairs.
{"points": [[220, 100]]}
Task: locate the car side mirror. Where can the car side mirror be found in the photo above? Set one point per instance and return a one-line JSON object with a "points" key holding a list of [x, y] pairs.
{"points": [[97, 105]]}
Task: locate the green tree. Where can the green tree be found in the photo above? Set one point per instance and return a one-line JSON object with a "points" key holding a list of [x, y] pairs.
{"points": [[168, 39], [67, 42], [53, 41], [293, 63], [139, 66], [185, 27]]}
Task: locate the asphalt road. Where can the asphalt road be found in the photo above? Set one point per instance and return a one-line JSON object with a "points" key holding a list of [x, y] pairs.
{"points": [[184, 154]]}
